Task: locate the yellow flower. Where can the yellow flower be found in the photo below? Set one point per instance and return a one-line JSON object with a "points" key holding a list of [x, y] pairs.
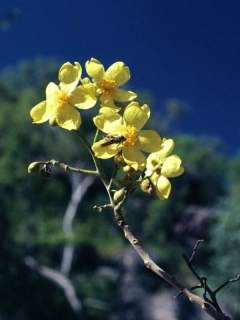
{"points": [[124, 135], [161, 166], [61, 100], [109, 81]]}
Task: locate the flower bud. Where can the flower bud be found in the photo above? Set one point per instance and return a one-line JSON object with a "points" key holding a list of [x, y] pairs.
{"points": [[146, 186], [34, 167], [127, 168], [119, 195]]}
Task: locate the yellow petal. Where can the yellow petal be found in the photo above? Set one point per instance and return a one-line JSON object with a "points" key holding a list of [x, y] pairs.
{"points": [[52, 102], [109, 122], [135, 115], [108, 101], [154, 179], [166, 147], [69, 73], [153, 163], [149, 141], [118, 72], [105, 151], [156, 159], [94, 69], [163, 187], [51, 91], [109, 110], [68, 118], [134, 158], [124, 96], [84, 96], [172, 166], [38, 113]]}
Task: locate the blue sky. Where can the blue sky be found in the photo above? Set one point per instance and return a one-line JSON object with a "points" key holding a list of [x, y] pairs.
{"points": [[188, 50]]}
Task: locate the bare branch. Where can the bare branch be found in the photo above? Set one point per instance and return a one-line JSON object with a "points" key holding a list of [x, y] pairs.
{"points": [[59, 279], [235, 279], [208, 307], [80, 187], [208, 293], [46, 167], [195, 250]]}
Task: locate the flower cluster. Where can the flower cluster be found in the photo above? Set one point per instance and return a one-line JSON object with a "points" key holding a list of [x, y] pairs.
{"points": [[120, 120]]}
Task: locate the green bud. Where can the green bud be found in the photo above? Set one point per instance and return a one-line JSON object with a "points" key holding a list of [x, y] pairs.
{"points": [[146, 186], [34, 167], [127, 169], [119, 195]]}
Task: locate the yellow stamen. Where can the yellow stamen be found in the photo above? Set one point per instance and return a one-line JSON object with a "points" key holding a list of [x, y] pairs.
{"points": [[108, 87], [62, 98], [131, 134]]}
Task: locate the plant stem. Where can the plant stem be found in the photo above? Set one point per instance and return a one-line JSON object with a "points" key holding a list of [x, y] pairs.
{"points": [[66, 167], [98, 166], [149, 263], [96, 136]]}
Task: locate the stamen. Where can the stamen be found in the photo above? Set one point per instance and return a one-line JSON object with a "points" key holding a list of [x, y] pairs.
{"points": [[62, 98], [108, 87], [131, 135]]}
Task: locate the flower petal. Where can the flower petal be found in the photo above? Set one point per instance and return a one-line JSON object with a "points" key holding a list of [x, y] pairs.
{"points": [[135, 115], [69, 75], [106, 100], [38, 113], [118, 72], [68, 118], [109, 110], [134, 158], [153, 163], [163, 187], [109, 122], [166, 148], [105, 151], [94, 69], [124, 95], [149, 141], [84, 96], [172, 167], [52, 92]]}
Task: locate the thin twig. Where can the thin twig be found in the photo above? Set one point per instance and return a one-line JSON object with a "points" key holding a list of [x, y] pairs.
{"points": [[195, 249], [48, 165], [232, 280], [208, 293]]}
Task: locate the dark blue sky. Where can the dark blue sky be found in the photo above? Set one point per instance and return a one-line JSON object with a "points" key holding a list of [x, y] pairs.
{"points": [[188, 50]]}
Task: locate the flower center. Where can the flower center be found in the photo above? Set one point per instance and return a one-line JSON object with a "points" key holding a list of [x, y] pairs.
{"points": [[108, 87], [131, 134], [62, 98]]}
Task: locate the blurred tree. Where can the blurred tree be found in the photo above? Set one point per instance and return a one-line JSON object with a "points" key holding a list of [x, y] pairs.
{"points": [[225, 241]]}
